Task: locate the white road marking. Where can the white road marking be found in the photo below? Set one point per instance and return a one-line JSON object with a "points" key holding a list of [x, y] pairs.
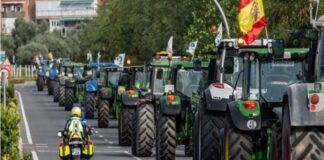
{"points": [[110, 142], [132, 155], [100, 136], [29, 138], [96, 131]]}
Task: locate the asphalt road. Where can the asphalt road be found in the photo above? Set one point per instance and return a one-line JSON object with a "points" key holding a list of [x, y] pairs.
{"points": [[42, 119]]}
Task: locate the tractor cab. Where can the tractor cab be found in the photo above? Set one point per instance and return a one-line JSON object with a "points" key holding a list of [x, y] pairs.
{"points": [[268, 70]]}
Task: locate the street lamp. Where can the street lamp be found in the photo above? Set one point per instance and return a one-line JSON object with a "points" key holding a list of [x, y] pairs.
{"points": [[128, 62]]}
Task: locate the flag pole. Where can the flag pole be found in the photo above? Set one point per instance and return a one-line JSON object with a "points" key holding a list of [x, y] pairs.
{"points": [[266, 32]]}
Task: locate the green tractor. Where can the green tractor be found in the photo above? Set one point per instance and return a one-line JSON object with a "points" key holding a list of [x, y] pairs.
{"points": [[66, 69], [92, 87], [158, 78], [253, 119], [303, 114], [74, 86], [174, 122], [210, 115], [129, 101], [113, 81], [56, 82]]}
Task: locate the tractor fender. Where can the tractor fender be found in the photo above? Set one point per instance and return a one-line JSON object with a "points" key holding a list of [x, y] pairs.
{"points": [[128, 100], [105, 93], [52, 73], [217, 98], [170, 108], [69, 84], [41, 73], [297, 98], [91, 86], [241, 122]]}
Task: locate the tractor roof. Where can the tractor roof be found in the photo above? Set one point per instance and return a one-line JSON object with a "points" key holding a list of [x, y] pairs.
{"points": [[102, 65], [289, 53]]}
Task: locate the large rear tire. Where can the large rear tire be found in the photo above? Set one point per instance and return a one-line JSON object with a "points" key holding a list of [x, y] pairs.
{"points": [[103, 114], [56, 92], [61, 96], [69, 98], [240, 144], [125, 125], [301, 143], [89, 106], [40, 84], [207, 143], [166, 142], [145, 130]]}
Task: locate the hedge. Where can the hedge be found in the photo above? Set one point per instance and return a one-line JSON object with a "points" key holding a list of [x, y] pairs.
{"points": [[10, 126]]}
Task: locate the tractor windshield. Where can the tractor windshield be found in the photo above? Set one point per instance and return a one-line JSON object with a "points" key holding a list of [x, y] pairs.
{"points": [[190, 82], [113, 78], [276, 76], [140, 80], [78, 72], [160, 82], [251, 79]]}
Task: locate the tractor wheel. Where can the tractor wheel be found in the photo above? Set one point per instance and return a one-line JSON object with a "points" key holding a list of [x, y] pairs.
{"points": [[89, 105], [69, 98], [166, 140], [103, 114], [275, 150], [145, 130], [50, 87], [134, 124], [125, 125], [207, 144], [61, 95], [40, 84], [56, 92], [301, 142], [239, 144]]}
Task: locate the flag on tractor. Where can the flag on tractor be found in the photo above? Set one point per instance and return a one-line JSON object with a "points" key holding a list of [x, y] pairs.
{"points": [[251, 19]]}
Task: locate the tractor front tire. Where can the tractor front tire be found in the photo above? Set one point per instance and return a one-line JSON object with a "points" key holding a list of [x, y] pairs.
{"points": [[61, 95], [103, 114], [125, 125], [56, 92], [207, 143], [40, 84], [145, 130], [89, 106], [301, 142], [166, 140], [69, 98]]}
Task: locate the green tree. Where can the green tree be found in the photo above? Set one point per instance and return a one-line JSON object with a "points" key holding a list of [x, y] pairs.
{"points": [[24, 31], [26, 52], [8, 45]]}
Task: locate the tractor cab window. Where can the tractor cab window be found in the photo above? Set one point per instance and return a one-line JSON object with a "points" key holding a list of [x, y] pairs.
{"points": [[190, 82], [102, 77], [113, 78], [139, 81], [250, 85], [78, 72], [161, 78], [276, 76], [232, 78], [68, 70], [124, 79]]}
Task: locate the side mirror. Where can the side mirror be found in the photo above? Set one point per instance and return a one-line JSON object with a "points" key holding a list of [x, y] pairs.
{"points": [[278, 48], [159, 74], [197, 65], [229, 65]]}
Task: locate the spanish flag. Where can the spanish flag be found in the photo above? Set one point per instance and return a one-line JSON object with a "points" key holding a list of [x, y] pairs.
{"points": [[251, 19]]}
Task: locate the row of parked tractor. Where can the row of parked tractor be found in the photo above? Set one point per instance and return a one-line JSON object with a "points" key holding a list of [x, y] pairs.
{"points": [[258, 101]]}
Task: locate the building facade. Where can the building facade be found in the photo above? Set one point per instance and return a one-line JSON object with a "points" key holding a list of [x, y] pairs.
{"points": [[12, 9], [65, 14]]}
